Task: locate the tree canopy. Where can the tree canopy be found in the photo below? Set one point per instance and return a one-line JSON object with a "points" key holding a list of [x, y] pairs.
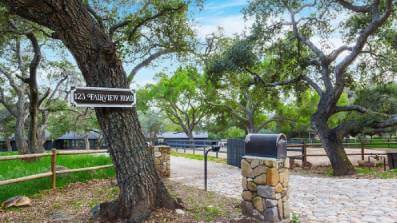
{"points": [[182, 98]]}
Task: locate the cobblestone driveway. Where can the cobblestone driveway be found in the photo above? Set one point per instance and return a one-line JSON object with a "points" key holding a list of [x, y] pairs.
{"points": [[315, 199]]}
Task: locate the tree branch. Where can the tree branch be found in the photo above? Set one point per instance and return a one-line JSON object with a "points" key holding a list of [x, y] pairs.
{"points": [[97, 17], [124, 23], [146, 62], [261, 126], [334, 54], [313, 84], [200, 116], [19, 56], [356, 126], [354, 8], [299, 36], [233, 111], [391, 122], [142, 21], [151, 18], [258, 78], [9, 108], [357, 108], [56, 88], [34, 63], [46, 94], [175, 115], [10, 79], [376, 21]]}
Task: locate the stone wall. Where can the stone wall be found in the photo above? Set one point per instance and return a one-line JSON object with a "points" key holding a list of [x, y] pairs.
{"points": [[162, 160], [265, 188]]}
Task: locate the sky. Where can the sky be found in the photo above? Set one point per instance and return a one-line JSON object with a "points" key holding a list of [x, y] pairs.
{"points": [[215, 13]]}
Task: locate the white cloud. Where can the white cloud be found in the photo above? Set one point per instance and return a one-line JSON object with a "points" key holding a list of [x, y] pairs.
{"points": [[233, 24]]}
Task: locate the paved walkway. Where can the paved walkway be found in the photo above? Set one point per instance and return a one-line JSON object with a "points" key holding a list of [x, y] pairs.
{"points": [[315, 199]]}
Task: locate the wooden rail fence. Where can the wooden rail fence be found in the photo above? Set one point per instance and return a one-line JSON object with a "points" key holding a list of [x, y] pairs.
{"points": [[53, 173], [302, 148]]}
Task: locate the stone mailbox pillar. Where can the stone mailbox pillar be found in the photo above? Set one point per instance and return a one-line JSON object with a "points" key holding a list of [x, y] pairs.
{"points": [[162, 160], [265, 188]]}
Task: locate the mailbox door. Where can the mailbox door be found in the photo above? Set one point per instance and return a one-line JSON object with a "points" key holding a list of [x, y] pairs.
{"points": [[282, 147]]}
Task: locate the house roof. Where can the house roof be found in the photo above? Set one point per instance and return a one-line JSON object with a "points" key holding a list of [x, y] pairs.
{"points": [[181, 135], [75, 135]]}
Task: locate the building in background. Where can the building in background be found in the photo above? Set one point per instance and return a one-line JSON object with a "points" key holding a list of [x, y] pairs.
{"points": [[74, 140]]}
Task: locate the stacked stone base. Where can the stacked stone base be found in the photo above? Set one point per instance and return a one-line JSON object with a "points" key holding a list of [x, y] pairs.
{"points": [[162, 160], [265, 188]]}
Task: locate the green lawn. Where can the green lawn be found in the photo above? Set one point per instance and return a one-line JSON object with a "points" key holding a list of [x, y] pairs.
{"points": [[370, 172], [198, 157], [8, 153], [389, 174], [18, 168], [374, 146]]}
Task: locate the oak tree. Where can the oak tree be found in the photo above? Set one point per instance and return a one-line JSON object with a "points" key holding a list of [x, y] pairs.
{"points": [[329, 69], [94, 35], [234, 91], [181, 97]]}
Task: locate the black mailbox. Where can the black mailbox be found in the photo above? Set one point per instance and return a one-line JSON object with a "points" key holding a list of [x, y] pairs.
{"points": [[266, 145], [215, 147]]}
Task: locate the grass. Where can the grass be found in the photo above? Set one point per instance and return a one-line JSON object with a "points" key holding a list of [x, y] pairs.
{"points": [[197, 157], [295, 218], [365, 172], [8, 153], [375, 146], [389, 174], [19, 168]]}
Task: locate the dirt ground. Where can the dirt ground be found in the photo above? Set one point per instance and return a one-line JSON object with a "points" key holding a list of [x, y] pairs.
{"points": [[324, 161], [74, 203], [316, 160]]}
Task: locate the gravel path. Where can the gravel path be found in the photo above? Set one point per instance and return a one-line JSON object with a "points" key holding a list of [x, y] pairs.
{"points": [[315, 199]]}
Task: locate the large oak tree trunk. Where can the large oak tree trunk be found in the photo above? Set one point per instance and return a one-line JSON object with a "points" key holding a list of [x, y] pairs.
{"points": [[141, 189], [41, 139], [20, 140], [34, 145], [336, 153], [333, 146]]}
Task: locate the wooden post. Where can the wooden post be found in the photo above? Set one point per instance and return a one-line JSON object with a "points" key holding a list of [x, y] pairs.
{"points": [[362, 150], [384, 163], [304, 153], [54, 169]]}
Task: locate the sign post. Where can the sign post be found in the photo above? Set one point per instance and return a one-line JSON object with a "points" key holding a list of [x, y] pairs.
{"points": [[102, 97]]}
